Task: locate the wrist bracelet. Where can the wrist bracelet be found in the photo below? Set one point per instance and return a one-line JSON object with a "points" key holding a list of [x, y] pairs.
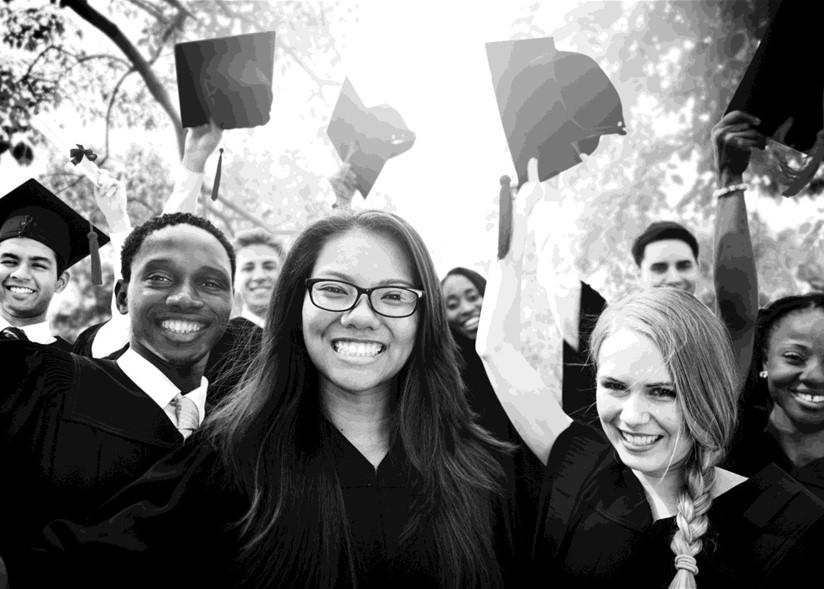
{"points": [[727, 190]]}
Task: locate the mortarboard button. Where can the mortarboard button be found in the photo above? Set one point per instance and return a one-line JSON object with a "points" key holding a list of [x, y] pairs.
{"points": [[229, 78], [554, 105], [32, 211], [366, 137], [784, 86]]}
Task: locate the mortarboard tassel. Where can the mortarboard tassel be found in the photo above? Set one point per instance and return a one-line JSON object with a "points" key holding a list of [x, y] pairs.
{"points": [[217, 175], [799, 178], [504, 217], [94, 252]]}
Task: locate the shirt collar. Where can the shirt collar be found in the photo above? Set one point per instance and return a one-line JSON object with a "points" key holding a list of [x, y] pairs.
{"points": [[39, 333], [247, 314], [156, 384]]}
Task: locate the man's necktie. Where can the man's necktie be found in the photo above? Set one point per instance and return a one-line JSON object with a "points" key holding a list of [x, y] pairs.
{"points": [[186, 414]]}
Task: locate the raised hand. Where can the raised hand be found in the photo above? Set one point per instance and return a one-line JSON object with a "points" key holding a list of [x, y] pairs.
{"points": [[110, 196], [344, 183], [523, 203], [200, 143], [733, 139]]}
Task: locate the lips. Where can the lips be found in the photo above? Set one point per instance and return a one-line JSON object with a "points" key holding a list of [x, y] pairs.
{"points": [[357, 348], [639, 441], [182, 327], [21, 290], [810, 400], [472, 322]]}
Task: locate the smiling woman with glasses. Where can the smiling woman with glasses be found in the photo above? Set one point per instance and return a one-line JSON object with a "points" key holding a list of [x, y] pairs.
{"points": [[348, 457]]}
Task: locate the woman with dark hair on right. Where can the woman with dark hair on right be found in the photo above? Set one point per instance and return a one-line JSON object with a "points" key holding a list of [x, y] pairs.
{"points": [[347, 458], [641, 501], [789, 358]]}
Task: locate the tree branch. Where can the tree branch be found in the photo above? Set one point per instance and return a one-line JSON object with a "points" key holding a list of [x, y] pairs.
{"points": [[109, 107], [156, 89]]}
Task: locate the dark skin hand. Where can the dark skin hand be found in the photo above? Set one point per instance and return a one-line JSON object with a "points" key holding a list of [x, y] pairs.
{"points": [[733, 139]]}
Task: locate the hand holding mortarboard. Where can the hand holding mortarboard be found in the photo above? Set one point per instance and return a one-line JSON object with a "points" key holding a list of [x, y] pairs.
{"points": [[366, 137], [110, 196], [554, 105], [201, 142], [733, 139], [344, 183], [784, 88]]}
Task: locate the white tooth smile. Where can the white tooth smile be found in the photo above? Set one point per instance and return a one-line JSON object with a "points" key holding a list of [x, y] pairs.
{"points": [[357, 349], [639, 439], [21, 290], [181, 327], [816, 399]]}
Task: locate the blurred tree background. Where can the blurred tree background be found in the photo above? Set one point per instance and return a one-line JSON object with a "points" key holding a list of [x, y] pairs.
{"points": [[675, 64]]}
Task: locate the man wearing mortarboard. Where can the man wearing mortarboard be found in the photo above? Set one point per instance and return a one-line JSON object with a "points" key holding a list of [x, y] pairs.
{"points": [[40, 239], [75, 430]]}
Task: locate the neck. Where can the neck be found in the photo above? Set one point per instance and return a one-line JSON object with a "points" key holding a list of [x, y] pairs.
{"points": [[16, 321], [185, 377], [801, 447], [662, 494], [259, 312], [363, 418]]}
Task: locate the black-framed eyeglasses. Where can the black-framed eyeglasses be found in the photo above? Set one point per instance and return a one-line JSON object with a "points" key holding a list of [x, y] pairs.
{"points": [[339, 295]]}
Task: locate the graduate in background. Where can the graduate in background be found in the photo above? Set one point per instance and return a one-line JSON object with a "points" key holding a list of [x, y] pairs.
{"points": [[40, 239], [75, 430]]}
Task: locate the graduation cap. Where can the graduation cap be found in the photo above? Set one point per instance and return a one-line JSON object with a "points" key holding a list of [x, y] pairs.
{"points": [[227, 78], [784, 87], [367, 137], [554, 105], [32, 211]]}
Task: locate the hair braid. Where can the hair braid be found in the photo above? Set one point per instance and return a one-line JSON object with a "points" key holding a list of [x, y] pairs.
{"points": [[692, 519]]}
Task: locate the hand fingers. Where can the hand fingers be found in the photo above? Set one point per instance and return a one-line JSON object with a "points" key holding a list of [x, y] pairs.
{"points": [[532, 170], [737, 117]]}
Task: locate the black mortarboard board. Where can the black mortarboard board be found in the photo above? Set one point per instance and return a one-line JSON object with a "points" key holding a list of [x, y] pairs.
{"points": [[554, 105], [32, 211], [367, 136], [784, 85], [229, 78]]}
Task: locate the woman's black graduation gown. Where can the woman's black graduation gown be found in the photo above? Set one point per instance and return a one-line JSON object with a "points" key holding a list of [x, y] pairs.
{"points": [[184, 509], [596, 527]]}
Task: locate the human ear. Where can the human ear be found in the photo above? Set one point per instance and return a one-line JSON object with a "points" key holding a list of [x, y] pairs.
{"points": [[120, 296]]}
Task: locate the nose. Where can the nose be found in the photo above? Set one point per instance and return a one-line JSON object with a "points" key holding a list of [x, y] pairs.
{"points": [[184, 298], [466, 308], [21, 273], [635, 411], [258, 273], [673, 276], [361, 315], [813, 374]]}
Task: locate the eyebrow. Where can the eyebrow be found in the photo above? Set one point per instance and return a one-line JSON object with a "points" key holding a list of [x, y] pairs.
{"points": [[650, 385], [32, 258], [154, 263], [347, 278]]}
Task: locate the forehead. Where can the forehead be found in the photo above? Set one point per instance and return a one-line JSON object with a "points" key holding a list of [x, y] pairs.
{"points": [[457, 284], [629, 356], [805, 326], [23, 247], [667, 250], [256, 251], [364, 256], [195, 246]]}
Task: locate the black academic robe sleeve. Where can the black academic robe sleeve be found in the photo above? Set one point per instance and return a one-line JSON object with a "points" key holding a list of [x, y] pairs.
{"points": [[173, 527], [578, 372]]}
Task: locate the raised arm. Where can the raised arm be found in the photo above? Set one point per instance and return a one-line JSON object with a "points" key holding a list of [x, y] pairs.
{"points": [[736, 284], [556, 270], [110, 196], [200, 144], [530, 404]]}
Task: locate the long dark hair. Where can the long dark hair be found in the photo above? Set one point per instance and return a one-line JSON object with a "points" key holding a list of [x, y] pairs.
{"points": [[275, 444]]}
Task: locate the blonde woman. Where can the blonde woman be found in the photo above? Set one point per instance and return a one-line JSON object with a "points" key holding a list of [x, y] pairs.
{"points": [[641, 501]]}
